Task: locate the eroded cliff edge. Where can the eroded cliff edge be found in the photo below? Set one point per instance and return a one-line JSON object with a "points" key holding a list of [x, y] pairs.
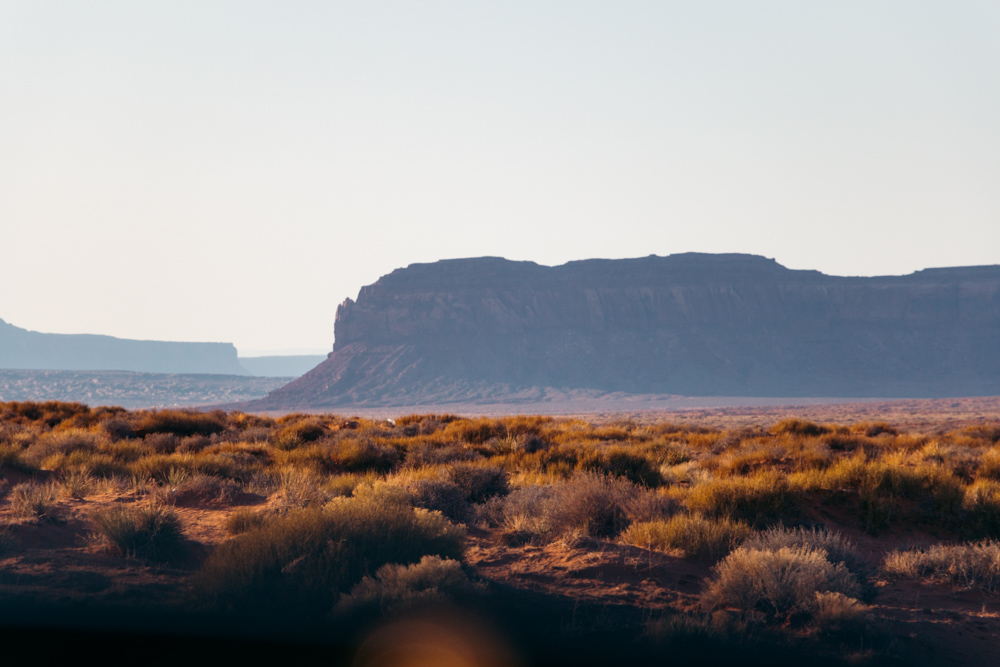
{"points": [[489, 329]]}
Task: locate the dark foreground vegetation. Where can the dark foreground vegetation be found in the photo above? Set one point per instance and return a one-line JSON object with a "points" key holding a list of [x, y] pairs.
{"points": [[522, 540]]}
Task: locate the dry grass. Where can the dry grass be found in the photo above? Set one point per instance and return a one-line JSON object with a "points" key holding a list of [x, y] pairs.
{"points": [[396, 587], [33, 501], [141, 530], [365, 511], [777, 583], [299, 562], [755, 499], [692, 535], [974, 565]]}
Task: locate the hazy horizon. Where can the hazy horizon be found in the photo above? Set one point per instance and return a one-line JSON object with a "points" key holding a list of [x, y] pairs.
{"points": [[223, 171]]}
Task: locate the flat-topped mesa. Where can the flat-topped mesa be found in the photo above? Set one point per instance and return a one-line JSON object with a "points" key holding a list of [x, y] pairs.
{"points": [[23, 349], [477, 330]]}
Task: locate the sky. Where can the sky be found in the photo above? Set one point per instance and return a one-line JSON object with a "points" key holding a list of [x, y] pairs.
{"points": [[232, 171]]}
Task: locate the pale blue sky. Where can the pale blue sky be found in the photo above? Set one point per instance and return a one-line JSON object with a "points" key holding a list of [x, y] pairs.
{"points": [[233, 170]]}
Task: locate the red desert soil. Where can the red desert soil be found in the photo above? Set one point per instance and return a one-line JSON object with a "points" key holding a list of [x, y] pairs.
{"points": [[59, 561]]}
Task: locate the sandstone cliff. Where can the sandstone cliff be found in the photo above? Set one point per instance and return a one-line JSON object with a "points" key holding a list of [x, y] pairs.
{"points": [[488, 329]]}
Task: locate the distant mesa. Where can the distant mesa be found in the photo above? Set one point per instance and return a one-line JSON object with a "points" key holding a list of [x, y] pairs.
{"points": [[490, 330], [23, 349]]}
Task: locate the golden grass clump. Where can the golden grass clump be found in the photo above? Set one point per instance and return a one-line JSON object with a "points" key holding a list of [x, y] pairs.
{"points": [[693, 535], [755, 499], [32, 500], [300, 562]]}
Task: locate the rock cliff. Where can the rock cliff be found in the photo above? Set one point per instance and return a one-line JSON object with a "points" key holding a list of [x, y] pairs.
{"points": [[488, 330]]}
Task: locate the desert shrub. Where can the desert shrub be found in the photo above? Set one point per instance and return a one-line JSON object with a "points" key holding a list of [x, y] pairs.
{"points": [[263, 483], [199, 489], [700, 635], [344, 485], [477, 431], [117, 428], [651, 505], [972, 565], [167, 443], [846, 442], [61, 442], [838, 548], [180, 422], [747, 461], [692, 534], [397, 587], [441, 495], [778, 583], [989, 465], [480, 483], [8, 542], [301, 488], [298, 433], [228, 465], [48, 413], [245, 519], [762, 497], [300, 562], [798, 427], [874, 429], [621, 462], [144, 530], [665, 453], [834, 613], [422, 454], [76, 484], [11, 459], [981, 507], [362, 455], [31, 500], [519, 514], [881, 485], [591, 504], [588, 504], [157, 467]]}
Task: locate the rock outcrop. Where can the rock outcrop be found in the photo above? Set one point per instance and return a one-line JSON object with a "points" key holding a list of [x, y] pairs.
{"points": [[490, 330], [23, 349]]}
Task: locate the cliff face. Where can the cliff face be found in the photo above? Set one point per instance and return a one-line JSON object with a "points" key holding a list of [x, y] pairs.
{"points": [[479, 330], [23, 349]]}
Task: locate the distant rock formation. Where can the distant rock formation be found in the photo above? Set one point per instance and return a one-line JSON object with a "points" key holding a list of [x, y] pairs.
{"points": [[23, 349], [488, 330]]}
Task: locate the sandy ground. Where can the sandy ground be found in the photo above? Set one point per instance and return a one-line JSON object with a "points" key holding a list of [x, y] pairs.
{"points": [[59, 561]]}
